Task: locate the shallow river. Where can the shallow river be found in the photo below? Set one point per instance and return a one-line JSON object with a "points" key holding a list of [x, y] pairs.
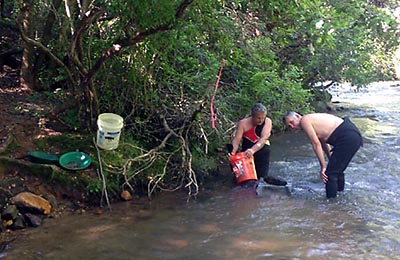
{"points": [[297, 222]]}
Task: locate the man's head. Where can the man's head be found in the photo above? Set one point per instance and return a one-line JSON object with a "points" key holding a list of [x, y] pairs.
{"points": [[292, 120], [258, 113]]}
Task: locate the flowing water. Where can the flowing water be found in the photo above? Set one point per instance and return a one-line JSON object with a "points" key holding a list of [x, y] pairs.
{"points": [[297, 222]]}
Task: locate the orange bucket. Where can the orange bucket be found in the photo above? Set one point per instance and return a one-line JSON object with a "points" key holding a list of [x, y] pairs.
{"points": [[243, 167]]}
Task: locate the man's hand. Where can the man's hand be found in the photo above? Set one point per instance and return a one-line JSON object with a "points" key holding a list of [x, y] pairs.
{"points": [[249, 153], [323, 175]]}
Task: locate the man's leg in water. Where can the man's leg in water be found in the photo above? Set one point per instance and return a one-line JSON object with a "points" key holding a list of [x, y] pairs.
{"points": [[340, 181], [261, 162], [341, 156], [262, 169]]}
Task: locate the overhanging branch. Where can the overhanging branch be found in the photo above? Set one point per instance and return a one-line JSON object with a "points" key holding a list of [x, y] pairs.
{"points": [[127, 42]]}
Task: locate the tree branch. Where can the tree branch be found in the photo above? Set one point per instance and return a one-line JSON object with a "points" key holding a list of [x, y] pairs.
{"points": [[43, 49], [127, 42], [82, 27]]}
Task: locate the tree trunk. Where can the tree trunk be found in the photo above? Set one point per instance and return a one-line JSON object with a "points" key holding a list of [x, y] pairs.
{"points": [[46, 36], [27, 77]]}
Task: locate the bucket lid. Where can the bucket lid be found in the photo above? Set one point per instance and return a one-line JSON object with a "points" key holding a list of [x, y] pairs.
{"points": [[111, 116], [110, 120]]}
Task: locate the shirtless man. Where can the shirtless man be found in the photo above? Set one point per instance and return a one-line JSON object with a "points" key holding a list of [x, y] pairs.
{"points": [[323, 130]]}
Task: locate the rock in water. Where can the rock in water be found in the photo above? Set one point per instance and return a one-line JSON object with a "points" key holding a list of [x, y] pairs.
{"points": [[19, 223], [126, 195], [29, 202], [9, 213], [33, 220]]}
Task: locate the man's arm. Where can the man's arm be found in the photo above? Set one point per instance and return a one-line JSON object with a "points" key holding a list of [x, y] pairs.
{"points": [[238, 137]]}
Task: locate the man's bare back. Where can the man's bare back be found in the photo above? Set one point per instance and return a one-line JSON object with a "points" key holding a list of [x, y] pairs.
{"points": [[323, 124]]}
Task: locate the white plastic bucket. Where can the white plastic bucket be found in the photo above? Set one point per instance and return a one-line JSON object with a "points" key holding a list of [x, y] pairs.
{"points": [[109, 130]]}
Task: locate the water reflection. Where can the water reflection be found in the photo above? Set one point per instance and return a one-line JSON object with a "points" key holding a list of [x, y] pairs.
{"points": [[227, 223]]}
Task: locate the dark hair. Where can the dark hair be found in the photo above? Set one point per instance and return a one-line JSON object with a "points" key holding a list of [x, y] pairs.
{"points": [[258, 107]]}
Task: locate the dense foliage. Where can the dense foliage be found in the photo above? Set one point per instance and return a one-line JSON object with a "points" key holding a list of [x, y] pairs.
{"points": [[156, 62]]}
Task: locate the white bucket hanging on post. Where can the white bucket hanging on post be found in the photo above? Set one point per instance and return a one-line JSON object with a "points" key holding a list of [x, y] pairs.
{"points": [[109, 130]]}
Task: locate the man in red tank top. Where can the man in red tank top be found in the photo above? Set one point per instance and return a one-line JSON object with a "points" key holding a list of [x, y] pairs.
{"points": [[253, 133]]}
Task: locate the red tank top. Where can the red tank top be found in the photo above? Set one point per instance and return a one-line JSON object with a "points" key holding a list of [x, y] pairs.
{"points": [[251, 135]]}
